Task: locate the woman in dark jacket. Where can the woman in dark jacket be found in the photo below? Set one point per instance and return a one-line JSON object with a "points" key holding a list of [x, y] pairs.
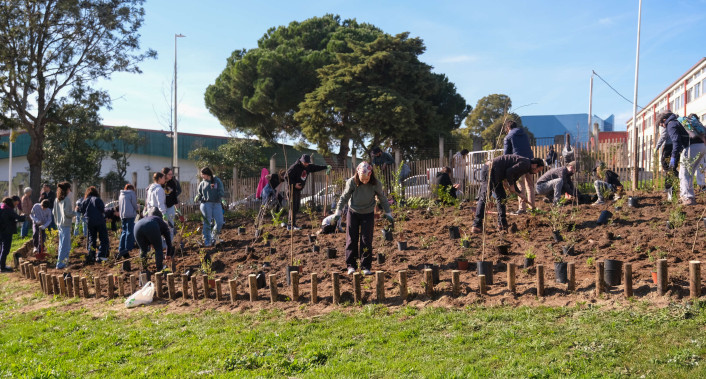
{"points": [[8, 227], [443, 180], [93, 208]]}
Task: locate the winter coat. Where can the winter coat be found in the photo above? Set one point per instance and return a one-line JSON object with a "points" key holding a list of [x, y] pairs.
{"points": [[443, 180], [210, 191], [41, 216], [384, 158], [51, 196], [172, 190], [127, 203], [556, 173], [156, 198], [297, 173], [8, 220], [63, 212], [678, 135], [93, 209], [509, 167], [517, 142]]}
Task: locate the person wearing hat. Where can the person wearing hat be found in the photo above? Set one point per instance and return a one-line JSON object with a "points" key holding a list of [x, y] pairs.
{"points": [[359, 195], [608, 182], [296, 177]]}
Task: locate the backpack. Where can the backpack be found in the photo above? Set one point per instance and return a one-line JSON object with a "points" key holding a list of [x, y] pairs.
{"points": [[693, 127]]}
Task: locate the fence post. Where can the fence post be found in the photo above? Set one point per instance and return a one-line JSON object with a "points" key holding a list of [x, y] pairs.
{"points": [[570, 267], [599, 278], [380, 285], [336, 288], [482, 285], [314, 288], [273, 164], [455, 282], [540, 280], [357, 296], [694, 279], [272, 279], [429, 281], [627, 279], [252, 284], [184, 286], [233, 290], [294, 275], [441, 151], [662, 276], [403, 284], [511, 286]]}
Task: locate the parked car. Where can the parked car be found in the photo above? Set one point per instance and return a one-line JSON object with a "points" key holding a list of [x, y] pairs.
{"points": [[416, 186], [249, 202], [319, 197]]}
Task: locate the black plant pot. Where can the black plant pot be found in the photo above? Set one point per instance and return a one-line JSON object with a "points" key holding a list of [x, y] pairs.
{"points": [[485, 268], [557, 236], [315, 248], [528, 262], [126, 266], [632, 202], [381, 258], [466, 243], [331, 253], [604, 217], [454, 233], [289, 270], [273, 250], [312, 238], [560, 272], [241, 230], [568, 250], [613, 272], [260, 277], [502, 249], [434, 271], [265, 264], [387, 234], [401, 245]]}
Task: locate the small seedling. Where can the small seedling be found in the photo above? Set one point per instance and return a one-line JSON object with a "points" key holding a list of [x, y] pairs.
{"points": [[590, 261]]}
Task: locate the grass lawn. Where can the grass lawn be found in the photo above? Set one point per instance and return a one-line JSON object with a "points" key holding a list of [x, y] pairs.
{"points": [[371, 341]]}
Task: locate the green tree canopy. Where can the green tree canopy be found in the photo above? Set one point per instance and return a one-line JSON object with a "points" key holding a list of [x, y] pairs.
{"points": [[486, 120], [243, 154], [53, 48], [122, 142]]}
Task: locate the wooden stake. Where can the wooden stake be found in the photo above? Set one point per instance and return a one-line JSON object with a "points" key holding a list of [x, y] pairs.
{"points": [[55, 281], [77, 286], [62, 285], [69, 287], [133, 284], [143, 279], [206, 288], [511, 286], [84, 287], [380, 286], [627, 279], [571, 273], [194, 287], [36, 273], [295, 284], [33, 271], [403, 284], [314, 287], [335, 277], [272, 279], [662, 277], [41, 282], [171, 287], [233, 285], [456, 282], [158, 283], [357, 295], [184, 286], [97, 285], [482, 285], [429, 281], [111, 287], [600, 287], [43, 267], [252, 283], [540, 280], [219, 289], [694, 279], [23, 269]]}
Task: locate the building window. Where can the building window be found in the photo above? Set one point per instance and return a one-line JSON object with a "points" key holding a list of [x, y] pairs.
{"points": [[677, 103], [689, 95], [697, 90]]}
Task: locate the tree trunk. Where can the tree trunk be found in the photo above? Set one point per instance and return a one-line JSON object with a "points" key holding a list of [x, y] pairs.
{"points": [[343, 151], [35, 156]]}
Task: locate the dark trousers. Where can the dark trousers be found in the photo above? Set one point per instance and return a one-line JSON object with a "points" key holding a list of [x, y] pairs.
{"points": [[671, 176], [296, 199], [497, 189], [359, 227], [96, 233], [148, 234], [5, 244], [38, 232]]}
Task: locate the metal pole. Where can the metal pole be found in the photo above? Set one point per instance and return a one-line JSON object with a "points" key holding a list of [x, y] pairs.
{"points": [[175, 158], [9, 170], [634, 100], [590, 109]]}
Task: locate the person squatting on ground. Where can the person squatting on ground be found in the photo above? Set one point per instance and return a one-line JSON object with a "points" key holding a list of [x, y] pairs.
{"points": [[93, 208], [606, 184], [296, 177], [127, 203], [444, 183], [63, 216], [359, 194], [502, 172], [149, 231], [331, 223], [556, 182], [27, 205], [172, 190], [210, 193], [8, 227], [691, 149], [517, 142], [41, 220], [156, 198]]}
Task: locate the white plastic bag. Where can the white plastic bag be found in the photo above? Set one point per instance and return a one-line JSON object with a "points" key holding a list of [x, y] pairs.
{"points": [[143, 296]]}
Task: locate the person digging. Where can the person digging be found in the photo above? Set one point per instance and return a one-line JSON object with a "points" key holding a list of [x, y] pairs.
{"points": [[149, 231], [500, 174], [359, 194]]}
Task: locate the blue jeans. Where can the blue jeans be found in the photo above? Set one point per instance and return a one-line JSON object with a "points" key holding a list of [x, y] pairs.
{"points": [[64, 246], [127, 238], [81, 224], [211, 212], [25, 227]]}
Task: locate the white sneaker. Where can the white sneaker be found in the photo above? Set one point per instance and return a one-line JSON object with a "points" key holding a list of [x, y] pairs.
{"points": [[367, 271], [599, 202], [351, 271], [35, 250], [617, 197], [217, 240]]}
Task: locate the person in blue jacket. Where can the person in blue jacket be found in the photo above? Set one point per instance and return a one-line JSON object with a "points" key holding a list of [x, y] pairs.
{"points": [[687, 151], [517, 142], [93, 208], [149, 232]]}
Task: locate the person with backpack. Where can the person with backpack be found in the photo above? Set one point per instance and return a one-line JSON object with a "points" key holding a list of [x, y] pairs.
{"points": [[63, 216], [127, 203], [8, 227], [688, 150], [517, 142], [93, 208], [210, 193]]}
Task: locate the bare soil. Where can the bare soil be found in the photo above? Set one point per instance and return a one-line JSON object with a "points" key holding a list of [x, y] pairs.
{"points": [[632, 236]]}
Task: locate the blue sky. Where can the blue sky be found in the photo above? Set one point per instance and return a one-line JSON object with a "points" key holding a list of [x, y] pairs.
{"points": [[538, 52]]}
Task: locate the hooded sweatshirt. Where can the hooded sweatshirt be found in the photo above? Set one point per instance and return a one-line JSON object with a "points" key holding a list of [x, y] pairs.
{"points": [[41, 216], [210, 191], [63, 212], [127, 203], [156, 198]]}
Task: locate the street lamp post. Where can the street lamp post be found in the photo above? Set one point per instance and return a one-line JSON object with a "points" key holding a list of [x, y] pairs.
{"points": [[175, 157], [634, 102]]}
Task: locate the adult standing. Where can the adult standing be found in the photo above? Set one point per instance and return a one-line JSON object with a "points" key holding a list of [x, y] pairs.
{"points": [[359, 194], [210, 193], [63, 215], [149, 231], [296, 177], [41, 220], [93, 208], [127, 203], [517, 142], [156, 198], [385, 162], [690, 148], [48, 194], [8, 227], [172, 190], [503, 172], [26, 205]]}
